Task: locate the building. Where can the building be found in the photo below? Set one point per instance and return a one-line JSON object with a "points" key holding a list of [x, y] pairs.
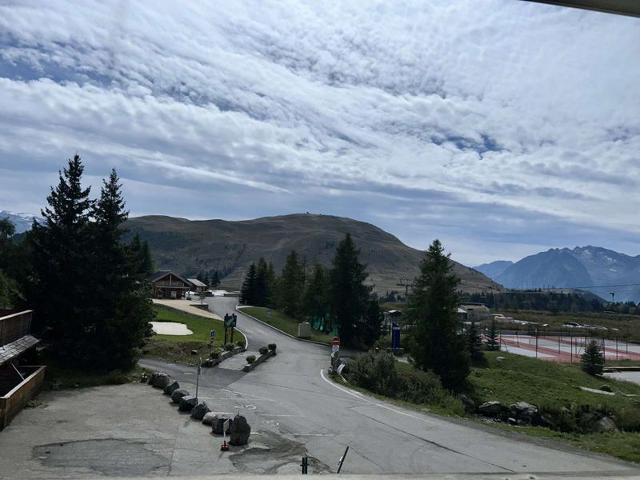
{"points": [[475, 312], [20, 381], [168, 284], [197, 285]]}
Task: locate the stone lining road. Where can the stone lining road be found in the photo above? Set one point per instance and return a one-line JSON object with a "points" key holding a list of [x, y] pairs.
{"points": [[295, 410]]}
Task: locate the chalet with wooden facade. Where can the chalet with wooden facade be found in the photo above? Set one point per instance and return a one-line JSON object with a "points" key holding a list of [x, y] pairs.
{"points": [[168, 284]]}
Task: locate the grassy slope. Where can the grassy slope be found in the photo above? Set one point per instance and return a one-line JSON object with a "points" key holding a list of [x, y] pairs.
{"points": [[283, 322], [177, 348]]}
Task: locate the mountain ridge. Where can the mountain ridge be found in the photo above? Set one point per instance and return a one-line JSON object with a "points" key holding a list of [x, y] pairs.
{"points": [[190, 246]]}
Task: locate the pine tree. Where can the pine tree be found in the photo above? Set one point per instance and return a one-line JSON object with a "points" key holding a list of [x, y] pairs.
{"points": [[348, 294], [62, 266], [122, 308], [437, 345], [315, 300], [592, 360], [291, 286], [475, 346], [248, 290], [493, 337], [263, 286], [371, 329], [214, 279]]}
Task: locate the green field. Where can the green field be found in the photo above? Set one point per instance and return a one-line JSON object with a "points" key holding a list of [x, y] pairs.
{"points": [[283, 322], [177, 348]]}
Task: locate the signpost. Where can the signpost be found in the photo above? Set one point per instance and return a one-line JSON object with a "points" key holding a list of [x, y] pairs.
{"points": [[395, 337], [225, 446], [335, 345], [230, 321]]}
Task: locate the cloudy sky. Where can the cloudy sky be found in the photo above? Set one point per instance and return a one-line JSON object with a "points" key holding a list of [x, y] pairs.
{"points": [[501, 127]]}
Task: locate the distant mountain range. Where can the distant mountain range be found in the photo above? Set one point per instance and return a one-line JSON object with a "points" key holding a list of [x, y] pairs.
{"points": [[191, 246], [22, 221], [590, 268]]}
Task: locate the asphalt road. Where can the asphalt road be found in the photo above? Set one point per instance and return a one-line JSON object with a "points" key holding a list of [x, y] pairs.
{"points": [[295, 410]]}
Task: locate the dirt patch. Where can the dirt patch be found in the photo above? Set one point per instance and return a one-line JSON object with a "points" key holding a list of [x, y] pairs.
{"points": [[115, 457]]}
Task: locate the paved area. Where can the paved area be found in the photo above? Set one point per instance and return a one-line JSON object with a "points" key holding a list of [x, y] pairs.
{"points": [[294, 410]]}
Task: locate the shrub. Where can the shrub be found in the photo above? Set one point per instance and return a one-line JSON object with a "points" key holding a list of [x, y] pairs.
{"points": [[251, 359], [228, 347], [375, 372], [240, 343], [263, 350], [272, 347], [417, 386], [215, 354], [606, 388]]}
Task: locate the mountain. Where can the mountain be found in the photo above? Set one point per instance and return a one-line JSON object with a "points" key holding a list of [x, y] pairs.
{"points": [[189, 246], [591, 267], [22, 221], [493, 269]]}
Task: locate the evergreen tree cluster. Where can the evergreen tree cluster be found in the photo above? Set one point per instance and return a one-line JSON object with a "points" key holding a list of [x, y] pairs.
{"points": [[87, 285], [337, 297], [541, 300]]}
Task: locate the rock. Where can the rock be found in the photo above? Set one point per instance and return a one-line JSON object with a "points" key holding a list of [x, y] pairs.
{"points": [[207, 363], [217, 424], [172, 387], [606, 388], [187, 403], [194, 352], [467, 402], [199, 411], [144, 378], [178, 394], [499, 359], [160, 380], [512, 421], [239, 431], [605, 424], [208, 418], [523, 411], [491, 409]]}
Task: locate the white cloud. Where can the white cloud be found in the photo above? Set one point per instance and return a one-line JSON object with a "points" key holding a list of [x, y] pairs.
{"points": [[521, 108]]}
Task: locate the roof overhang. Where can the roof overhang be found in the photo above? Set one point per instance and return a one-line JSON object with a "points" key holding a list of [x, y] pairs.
{"points": [[618, 7]]}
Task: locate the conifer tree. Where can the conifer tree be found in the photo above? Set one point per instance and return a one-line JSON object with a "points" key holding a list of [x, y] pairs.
{"points": [[348, 294], [248, 290], [592, 360], [475, 346], [437, 345], [291, 286], [493, 340], [315, 300]]}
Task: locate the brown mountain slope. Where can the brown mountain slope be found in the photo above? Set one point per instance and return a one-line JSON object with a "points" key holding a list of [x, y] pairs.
{"points": [[190, 246]]}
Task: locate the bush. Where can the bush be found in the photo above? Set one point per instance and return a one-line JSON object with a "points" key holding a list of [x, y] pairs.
{"points": [[375, 372], [263, 350], [240, 343], [228, 347], [251, 359], [215, 354], [272, 347], [417, 386]]}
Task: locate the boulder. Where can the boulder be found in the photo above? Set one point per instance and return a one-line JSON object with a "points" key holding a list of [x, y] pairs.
{"points": [[217, 424], [491, 409], [178, 394], [208, 363], [160, 380], [187, 403], [172, 387], [199, 411], [208, 418], [605, 424], [239, 431], [523, 411]]}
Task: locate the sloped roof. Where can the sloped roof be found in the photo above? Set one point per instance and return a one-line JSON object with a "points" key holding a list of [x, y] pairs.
{"points": [[163, 273], [16, 348], [196, 283]]}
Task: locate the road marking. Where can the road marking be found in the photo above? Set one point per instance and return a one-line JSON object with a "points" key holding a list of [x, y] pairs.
{"points": [[278, 415], [313, 434], [348, 392]]}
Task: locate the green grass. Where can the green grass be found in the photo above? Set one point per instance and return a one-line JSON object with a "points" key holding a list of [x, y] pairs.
{"points": [[545, 383], [60, 378], [283, 322], [178, 348]]}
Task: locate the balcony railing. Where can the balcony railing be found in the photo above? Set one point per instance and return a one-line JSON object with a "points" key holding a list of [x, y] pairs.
{"points": [[15, 326]]}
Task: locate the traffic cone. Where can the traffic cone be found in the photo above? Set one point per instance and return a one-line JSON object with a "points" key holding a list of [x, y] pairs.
{"points": [[224, 447]]}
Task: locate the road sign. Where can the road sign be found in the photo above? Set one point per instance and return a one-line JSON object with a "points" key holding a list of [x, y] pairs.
{"points": [[230, 320], [212, 333], [335, 345], [395, 336]]}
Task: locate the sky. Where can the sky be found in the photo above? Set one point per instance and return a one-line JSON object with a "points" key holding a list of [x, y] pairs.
{"points": [[501, 127]]}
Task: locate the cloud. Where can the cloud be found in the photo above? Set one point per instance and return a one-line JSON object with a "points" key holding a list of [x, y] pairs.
{"points": [[439, 112]]}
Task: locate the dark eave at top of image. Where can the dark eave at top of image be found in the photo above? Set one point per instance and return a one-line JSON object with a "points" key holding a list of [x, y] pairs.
{"points": [[619, 7]]}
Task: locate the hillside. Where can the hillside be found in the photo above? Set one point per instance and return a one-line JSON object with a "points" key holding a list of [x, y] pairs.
{"points": [[578, 267], [493, 269], [230, 246]]}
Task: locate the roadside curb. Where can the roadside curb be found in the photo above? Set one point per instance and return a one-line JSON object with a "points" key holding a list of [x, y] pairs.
{"points": [[239, 309], [250, 366]]}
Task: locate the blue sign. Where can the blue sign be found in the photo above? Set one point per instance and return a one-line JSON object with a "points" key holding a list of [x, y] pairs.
{"points": [[395, 336]]}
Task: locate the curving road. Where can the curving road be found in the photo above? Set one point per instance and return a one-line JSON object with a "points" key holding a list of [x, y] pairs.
{"points": [[295, 410]]}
